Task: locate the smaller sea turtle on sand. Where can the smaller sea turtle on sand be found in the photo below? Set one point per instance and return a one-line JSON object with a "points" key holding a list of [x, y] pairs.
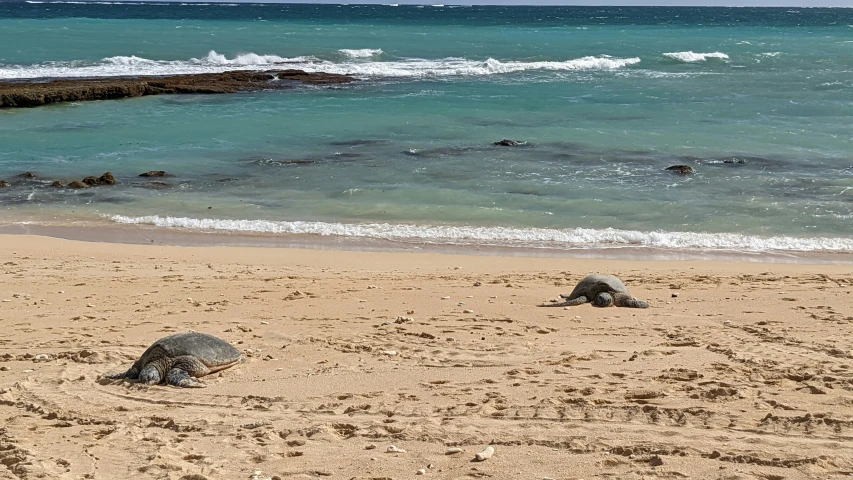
{"points": [[602, 291], [179, 358]]}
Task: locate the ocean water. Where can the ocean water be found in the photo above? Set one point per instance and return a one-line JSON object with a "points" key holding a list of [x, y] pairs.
{"points": [[758, 101]]}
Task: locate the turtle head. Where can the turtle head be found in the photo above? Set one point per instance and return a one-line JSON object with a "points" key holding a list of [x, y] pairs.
{"points": [[150, 375], [603, 299]]}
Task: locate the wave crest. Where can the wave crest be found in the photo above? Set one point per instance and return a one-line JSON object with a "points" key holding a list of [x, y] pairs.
{"points": [[247, 59], [360, 53], [693, 57], [511, 237], [217, 62]]}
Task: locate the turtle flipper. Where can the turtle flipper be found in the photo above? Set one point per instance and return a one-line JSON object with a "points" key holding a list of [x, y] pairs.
{"points": [[132, 373], [622, 300], [574, 301], [180, 378], [568, 303]]}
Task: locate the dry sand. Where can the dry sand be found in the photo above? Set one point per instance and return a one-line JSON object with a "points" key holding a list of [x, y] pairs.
{"points": [[746, 374]]}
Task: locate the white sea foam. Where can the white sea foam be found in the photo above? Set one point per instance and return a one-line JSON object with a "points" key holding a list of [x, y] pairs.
{"points": [[693, 57], [503, 236], [463, 67], [217, 62], [360, 53], [248, 59]]}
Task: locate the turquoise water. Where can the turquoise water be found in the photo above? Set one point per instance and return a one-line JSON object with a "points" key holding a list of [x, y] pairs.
{"points": [[758, 101]]}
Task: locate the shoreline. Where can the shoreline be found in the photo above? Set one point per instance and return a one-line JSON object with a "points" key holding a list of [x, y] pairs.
{"points": [[104, 232]]}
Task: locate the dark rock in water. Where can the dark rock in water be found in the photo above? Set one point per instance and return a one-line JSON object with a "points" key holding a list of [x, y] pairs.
{"points": [[509, 143], [78, 185], [4, 184], [33, 94], [27, 176], [682, 169], [155, 173], [105, 179], [734, 161], [223, 180], [57, 184]]}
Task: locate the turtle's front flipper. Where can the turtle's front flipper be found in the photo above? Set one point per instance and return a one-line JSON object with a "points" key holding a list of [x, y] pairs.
{"points": [[568, 303], [574, 301], [623, 300], [132, 374], [180, 378]]}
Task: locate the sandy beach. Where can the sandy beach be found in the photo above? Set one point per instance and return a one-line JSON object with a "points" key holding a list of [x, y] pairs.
{"points": [[737, 371]]}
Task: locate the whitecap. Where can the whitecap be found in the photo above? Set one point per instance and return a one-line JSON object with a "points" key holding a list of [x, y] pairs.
{"points": [[217, 62], [692, 57], [360, 53]]}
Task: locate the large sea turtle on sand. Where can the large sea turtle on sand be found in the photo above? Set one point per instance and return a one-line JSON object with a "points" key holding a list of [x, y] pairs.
{"points": [[178, 359], [602, 291]]}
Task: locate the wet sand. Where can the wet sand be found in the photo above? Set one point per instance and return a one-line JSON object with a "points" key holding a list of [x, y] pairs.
{"points": [[738, 370]]}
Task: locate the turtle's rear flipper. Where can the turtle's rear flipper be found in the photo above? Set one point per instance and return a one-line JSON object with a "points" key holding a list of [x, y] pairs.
{"points": [[623, 300], [568, 303], [180, 378]]}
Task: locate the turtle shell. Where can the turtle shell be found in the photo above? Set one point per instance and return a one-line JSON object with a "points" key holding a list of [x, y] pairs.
{"points": [[210, 350], [594, 284]]}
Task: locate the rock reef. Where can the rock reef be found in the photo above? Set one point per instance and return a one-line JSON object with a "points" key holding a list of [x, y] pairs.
{"points": [[510, 143], [681, 169], [15, 94]]}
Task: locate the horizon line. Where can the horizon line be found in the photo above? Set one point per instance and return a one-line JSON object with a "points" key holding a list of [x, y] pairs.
{"points": [[453, 3]]}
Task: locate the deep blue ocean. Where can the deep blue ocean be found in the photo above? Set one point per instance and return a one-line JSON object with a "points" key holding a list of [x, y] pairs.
{"points": [[758, 101]]}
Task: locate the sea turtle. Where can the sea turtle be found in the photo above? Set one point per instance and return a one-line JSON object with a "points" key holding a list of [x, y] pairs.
{"points": [[179, 358], [602, 291]]}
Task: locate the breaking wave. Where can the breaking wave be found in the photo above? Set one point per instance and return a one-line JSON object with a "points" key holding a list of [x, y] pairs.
{"points": [[692, 57], [217, 62], [509, 237], [360, 53]]}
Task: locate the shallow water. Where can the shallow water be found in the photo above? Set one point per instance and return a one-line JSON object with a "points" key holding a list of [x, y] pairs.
{"points": [[757, 101]]}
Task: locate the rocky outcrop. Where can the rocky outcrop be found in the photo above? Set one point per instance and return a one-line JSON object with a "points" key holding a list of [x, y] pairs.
{"points": [[4, 184], [155, 173], [27, 176], [16, 94], [682, 169], [57, 184], [105, 179], [510, 143], [78, 185]]}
